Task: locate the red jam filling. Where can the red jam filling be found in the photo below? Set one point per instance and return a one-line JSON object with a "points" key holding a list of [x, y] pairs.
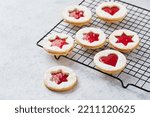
{"points": [[59, 42], [111, 59], [91, 37], [111, 10], [76, 14], [59, 77], [124, 39]]}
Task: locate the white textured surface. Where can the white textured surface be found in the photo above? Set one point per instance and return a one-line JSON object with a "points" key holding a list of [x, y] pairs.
{"points": [[22, 63]]}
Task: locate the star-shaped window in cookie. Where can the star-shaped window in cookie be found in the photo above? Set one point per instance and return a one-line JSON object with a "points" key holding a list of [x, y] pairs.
{"points": [[77, 14], [91, 37], [59, 42], [59, 77], [124, 39]]}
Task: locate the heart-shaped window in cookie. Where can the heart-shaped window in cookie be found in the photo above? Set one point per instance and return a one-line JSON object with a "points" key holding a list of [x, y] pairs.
{"points": [[59, 42], [111, 10], [124, 39], [91, 37], [77, 14], [59, 77], [111, 59]]}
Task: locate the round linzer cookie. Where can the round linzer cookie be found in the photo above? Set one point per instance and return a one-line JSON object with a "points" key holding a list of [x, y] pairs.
{"points": [[58, 44], [110, 61], [77, 15], [90, 38], [124, 40], [111, 11], [60, 78]]}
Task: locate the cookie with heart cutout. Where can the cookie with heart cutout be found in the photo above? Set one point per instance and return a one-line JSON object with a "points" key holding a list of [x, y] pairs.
{"points": [[58, 44], [77, 15], [124, 40], [60, 78], [91, 38], [110, 61], [111, 11]]}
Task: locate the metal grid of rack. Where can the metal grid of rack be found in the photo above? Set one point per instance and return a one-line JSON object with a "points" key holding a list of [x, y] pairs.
{"points": [[137, 71]]}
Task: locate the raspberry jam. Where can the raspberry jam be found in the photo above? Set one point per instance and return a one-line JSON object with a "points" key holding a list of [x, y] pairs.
{"points": [[111, 59], [111, 10], [124, 39], [59, 77], [76, 14], [59, 42], [91, 37]]}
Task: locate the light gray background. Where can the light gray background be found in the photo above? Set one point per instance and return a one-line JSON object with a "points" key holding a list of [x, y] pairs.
{"points": [[22, 63]]}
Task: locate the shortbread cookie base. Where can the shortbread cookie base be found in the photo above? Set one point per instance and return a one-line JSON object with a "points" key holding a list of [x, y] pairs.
{"points": [[63, 86], [78, 24], [59, 53], [101, 39], [91, 47], [124, 50], [117, 17], [111, 72], [120, 65], [115, 20], [56, 50], [120, 47]]}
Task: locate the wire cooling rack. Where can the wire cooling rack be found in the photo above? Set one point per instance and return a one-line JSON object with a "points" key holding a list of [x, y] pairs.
{"points": [[137, 71]]}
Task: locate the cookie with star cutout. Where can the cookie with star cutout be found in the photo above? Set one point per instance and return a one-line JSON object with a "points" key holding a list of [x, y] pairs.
{"points": [[77, 15], [110, 61], [111, 11], [58, 44], [124, 40], [60, 78], [90, 38]]}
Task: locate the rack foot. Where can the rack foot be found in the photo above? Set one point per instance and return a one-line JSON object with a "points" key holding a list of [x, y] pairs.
{"points": [[57, 57]]}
